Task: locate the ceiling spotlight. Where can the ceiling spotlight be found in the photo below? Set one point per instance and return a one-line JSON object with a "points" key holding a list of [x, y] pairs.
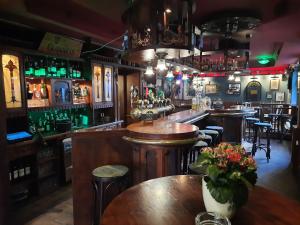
{"points": [[149, 71], [237, 72], [184, 69], [161, 65], [148, 29], [231, 77], [168, 10], [170, 74]]}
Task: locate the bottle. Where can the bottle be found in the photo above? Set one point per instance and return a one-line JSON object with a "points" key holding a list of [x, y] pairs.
{"points": [[15, 172], [53, 68], [57, 66], [27, 169], [36, 92], [63, 69], [26, 64], [44, 92], [28, 91], [78, 72], [21, 171], [42, 69], [70, 71], [36, 69]]}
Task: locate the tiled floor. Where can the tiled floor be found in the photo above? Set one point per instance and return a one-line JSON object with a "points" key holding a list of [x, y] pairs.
{"points": [[275, 175]]}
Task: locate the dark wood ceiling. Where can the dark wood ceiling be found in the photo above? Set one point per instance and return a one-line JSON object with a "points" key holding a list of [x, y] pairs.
{"points": [[101, 20]]}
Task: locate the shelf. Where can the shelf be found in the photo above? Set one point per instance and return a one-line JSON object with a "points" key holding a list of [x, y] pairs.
{"points": [[47, 159], [49, 78], [73, 106], [53, 173], [103, 105]]}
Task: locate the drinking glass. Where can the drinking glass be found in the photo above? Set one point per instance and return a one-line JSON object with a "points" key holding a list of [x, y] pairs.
{"points": [[210, 218]]}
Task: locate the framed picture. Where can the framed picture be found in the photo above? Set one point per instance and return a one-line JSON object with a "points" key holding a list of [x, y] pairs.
{"points": [[274, 84], [210, 89], [234, 89], [97, 82], [279, 96], [298, 83], [108, 83], [269, 95]]}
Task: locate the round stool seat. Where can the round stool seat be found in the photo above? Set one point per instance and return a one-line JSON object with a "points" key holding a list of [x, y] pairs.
{"points": [[196, 169], [205, 137], [217, 128], [200, 144], [110, 171], [210, 132], [262, 124], [252, 119]]}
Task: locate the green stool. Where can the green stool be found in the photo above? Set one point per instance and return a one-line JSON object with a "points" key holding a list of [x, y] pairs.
{"points": [[196, 149], [214, 134], [103, 178], [194, 169]]}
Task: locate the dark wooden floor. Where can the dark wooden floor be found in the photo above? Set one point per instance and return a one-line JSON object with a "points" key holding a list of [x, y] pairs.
{"points": [[56, 209]]}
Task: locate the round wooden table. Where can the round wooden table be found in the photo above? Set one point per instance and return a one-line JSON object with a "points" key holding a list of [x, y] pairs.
{"points": [[176, 200]]}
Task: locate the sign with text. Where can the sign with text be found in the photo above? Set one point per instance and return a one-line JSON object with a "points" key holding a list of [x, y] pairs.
{"points": [[60, 45]]}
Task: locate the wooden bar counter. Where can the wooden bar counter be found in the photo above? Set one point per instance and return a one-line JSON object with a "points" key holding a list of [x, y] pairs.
{"points": [[167, 138]]}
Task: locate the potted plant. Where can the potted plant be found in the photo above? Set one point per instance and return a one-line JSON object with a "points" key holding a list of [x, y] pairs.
{"points": [[230, 174]]}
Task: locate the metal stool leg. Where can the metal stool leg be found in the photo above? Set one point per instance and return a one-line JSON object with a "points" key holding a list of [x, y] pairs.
{"points": [[254, 146], [98, 204], [268, 152]]}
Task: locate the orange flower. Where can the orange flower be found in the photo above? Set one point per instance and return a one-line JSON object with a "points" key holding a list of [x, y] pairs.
{"points": [[234, 157]]}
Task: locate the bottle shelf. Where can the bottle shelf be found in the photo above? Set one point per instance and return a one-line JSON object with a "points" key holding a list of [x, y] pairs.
{"points": [[59, 107], [28, 78]]}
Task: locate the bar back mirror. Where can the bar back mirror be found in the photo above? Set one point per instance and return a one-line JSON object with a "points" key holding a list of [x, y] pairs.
{"points": [[12, 81]]}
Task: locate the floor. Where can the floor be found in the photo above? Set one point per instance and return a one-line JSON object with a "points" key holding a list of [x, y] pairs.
{"points": [[56, 209]]}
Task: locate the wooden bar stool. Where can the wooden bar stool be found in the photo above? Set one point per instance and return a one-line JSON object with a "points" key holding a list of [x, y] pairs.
{"points": [[258, 130], [214, 134], [216, 128], [103, 178], [196, 149]]}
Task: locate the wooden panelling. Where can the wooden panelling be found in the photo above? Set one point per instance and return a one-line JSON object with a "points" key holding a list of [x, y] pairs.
{"points": [[91, 150]]}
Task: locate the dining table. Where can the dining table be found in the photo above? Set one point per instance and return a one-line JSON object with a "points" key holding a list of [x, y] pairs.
{"points": [[176, 200]]}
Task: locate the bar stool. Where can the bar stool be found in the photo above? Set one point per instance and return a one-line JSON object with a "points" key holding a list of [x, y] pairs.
{"points": [[103, 178], [214, 134], [216, 128], [250, 126], [196, 170], [196, 149], [206, 138], [258, 128]]}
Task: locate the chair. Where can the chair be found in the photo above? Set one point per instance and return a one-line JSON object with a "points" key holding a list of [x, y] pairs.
{"points": [[250, 127], [258, 128], [103, 179]]}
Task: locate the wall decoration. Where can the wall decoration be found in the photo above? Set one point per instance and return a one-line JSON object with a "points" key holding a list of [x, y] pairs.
{"points": [[97, 83], [234, 89], [269, 95], [274, 84], [189, 91], [12, 82], [279, 96], [298, 83], [210, 88], [253, 91], [108, 84]]}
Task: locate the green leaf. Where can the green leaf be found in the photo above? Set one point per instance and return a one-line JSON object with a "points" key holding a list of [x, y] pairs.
{"points": [[221, 194], [213, 172]]}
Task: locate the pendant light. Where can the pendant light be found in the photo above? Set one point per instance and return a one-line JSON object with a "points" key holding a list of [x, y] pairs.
{"points": [[170, 74], [149, 71], [161, 65]]}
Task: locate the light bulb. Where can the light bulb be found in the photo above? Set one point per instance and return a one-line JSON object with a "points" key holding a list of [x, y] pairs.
{"points": [[149, 71], [170, 74], [161, 65]]}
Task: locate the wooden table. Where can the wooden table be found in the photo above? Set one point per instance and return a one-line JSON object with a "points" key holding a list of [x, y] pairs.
{"points": [[176, 200]]}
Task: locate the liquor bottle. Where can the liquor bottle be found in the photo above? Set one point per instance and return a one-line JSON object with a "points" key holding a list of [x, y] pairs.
{"points": [[42, 68], [36, 92], [57, 66], [26, 64], [78, 72], [63, 69], [53, 68], [28, 91], [36, 69], [47, 126], [15, 172], [70, 71], [40, 125], [21, 171], [27, 169], [44, 92]]}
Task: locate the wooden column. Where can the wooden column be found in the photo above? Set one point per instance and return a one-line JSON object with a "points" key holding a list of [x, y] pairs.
{"points": [[4, 183]]}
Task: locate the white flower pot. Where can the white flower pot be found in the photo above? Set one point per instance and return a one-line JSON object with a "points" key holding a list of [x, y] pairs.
{"points": [[212, 205]]}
